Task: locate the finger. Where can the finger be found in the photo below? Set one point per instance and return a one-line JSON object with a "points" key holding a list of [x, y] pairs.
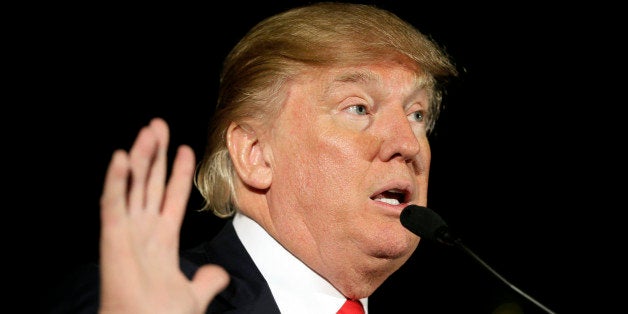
{"points": [[142, 154], [179, 188], [208, 281], [114, 213], [158, 168], [114, 196]]}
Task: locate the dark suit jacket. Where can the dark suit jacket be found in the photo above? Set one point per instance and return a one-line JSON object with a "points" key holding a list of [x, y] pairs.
{"points": [[248, 291]]}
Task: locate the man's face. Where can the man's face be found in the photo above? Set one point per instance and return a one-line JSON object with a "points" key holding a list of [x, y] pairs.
{"points": [[349, 152]]}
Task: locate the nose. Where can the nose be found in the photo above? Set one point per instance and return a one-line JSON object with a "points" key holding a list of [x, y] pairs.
{"points": [[399, 139]]}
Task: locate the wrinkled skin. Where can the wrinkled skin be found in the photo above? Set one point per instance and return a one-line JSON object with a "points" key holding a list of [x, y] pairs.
{"points": [[317, 177]]}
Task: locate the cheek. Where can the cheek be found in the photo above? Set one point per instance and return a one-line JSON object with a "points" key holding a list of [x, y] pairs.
{"points": [[317, 160], [342, 159]]}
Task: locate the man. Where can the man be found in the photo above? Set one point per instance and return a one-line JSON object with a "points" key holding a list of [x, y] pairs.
{"points": [[319, 140]]}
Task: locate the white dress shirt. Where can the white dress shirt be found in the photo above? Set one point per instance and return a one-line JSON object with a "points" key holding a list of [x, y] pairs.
{"points": [[296, 288]]}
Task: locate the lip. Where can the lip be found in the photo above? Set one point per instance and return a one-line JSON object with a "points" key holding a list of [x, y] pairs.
{"points": [[392, 210], [401, 185]]}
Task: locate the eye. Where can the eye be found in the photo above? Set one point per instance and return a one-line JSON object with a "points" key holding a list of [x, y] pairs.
{"points": [[358, 109], [417, 116]]}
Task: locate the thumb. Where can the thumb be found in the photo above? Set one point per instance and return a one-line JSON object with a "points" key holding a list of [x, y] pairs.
{"points": [[208, 281]]}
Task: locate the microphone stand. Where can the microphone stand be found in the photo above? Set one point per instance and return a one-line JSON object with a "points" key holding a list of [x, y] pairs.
{"points": [[458, 243], [426, 223]]}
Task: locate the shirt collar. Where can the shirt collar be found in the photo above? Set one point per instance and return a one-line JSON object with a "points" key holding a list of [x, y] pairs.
{"points": [[294, 286]]}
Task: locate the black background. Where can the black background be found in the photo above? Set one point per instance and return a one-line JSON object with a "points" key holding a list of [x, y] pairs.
{"points": [[527, 156]]}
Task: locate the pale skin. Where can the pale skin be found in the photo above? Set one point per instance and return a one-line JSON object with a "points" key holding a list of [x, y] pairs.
{"points": [[314, 178], [322, 179], [141, 216]]}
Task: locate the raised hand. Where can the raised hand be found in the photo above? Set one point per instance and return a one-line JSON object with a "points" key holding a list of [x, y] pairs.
{"points": [[141, 216]]}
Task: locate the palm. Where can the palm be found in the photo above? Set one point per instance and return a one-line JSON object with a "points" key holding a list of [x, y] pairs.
{"points": [[141, 216]]}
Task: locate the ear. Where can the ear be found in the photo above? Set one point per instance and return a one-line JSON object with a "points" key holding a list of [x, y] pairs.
{"points": [[247, 156]]}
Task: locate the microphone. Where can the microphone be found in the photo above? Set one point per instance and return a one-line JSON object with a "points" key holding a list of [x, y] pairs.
{"points": [[428, 224]]}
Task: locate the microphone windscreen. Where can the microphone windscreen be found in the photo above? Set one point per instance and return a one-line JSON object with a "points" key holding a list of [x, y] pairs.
{"points": [[422, 221]]}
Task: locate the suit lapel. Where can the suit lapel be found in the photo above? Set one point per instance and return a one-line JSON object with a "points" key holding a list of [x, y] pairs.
{"points": [[248, 291]]}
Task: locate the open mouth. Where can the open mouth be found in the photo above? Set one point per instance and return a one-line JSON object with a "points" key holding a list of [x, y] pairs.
{"points": [[392, 197]]}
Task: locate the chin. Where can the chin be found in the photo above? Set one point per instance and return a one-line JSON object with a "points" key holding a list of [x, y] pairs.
{"points": [[394, 246]]}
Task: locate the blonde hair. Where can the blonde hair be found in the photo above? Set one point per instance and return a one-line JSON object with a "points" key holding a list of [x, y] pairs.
{"points": [[318, 35]]}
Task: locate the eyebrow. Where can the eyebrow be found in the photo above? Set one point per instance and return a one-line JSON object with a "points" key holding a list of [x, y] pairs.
{"points": [[360, 76], [363, 76]]}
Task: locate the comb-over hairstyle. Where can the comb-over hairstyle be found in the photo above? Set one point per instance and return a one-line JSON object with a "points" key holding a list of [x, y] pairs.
{"points": [[325, 34]]}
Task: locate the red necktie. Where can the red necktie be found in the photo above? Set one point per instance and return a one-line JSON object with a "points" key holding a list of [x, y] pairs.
{"points": [[351, 307]]}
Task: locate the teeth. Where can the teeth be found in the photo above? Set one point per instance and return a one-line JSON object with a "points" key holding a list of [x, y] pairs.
{"points": [[391, 201]]}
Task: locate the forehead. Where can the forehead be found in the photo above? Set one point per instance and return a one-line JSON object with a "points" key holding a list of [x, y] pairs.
{"points": [[374, 74], [393, 77]]}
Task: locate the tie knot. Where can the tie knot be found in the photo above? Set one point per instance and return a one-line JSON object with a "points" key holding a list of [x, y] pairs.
{"points": [[351, 307]]}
